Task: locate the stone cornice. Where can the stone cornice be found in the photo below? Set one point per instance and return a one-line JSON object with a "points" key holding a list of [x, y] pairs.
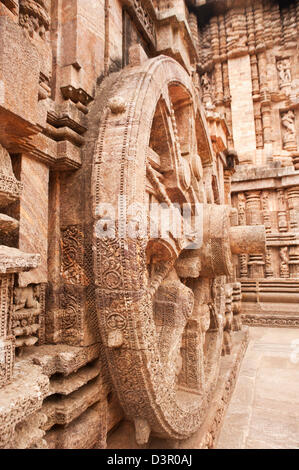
{"points": [[256, 178]]}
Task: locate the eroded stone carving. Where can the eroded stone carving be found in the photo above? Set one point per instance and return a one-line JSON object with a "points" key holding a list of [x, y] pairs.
{"points": [[10, 187], [288, 122], [207, 91], [284, 72], [144, 17], [26, 319], [34, 16], [284, 262]]}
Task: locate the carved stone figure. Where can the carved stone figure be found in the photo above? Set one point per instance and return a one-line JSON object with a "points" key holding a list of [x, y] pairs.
{"points": [[25, 297], [207, 91], [284, 262], [288, 122], [284, 72], [242, 208]]}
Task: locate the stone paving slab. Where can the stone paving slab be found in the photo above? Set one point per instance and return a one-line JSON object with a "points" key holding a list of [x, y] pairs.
{"points": [[264, 409]]}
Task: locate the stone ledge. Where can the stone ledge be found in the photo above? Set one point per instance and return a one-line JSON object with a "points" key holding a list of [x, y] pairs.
{"points": [[61, 358], [278, 321], [13, 260], [21, 398]]}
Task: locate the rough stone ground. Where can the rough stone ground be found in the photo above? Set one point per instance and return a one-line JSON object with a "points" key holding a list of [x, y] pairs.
{"points": [[264, 409]]}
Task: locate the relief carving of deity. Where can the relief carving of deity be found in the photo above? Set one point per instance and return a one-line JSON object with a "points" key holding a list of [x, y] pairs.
{"points": [[288, 123], [284, 72]]}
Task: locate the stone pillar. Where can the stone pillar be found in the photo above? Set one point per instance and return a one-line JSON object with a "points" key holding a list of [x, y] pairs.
{"points": [[242, 221], [227, 186], [253, 206], [268, 227], [282, 213]]}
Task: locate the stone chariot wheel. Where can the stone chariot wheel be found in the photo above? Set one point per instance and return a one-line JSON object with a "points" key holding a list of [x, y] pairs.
{"points": [[162, 336]]}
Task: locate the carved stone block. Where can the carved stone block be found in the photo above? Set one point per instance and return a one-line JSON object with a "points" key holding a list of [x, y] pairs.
{"points": [[18, 102]]}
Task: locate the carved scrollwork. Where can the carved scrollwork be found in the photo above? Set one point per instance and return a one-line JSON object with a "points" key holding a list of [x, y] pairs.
{"points": [[27, 316]]}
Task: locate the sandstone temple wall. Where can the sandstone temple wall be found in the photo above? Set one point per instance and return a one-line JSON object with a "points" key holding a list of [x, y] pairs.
{"points": [[249, 71]]}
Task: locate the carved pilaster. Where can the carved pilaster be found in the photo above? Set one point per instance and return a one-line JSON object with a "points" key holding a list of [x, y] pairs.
{"points": [[293, 205], [266, 116], [282, 213], [256, 101], [268, 226], [242, 221], [236, 305], [254, 75], [294, 261], [207, 91], [258, 125], [284, 262], [269, 263], [266, 211], [227, 103], [253, 206], [218, 83]]}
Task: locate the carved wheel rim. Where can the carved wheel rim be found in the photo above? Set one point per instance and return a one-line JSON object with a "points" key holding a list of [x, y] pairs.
{"points": [[123, 301]]}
